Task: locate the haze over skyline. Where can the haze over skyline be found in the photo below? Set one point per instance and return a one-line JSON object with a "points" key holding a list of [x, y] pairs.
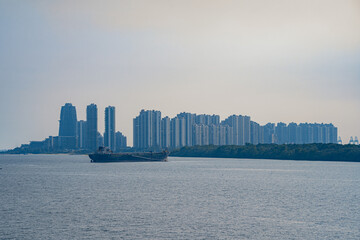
{"points": [[274, 61]]}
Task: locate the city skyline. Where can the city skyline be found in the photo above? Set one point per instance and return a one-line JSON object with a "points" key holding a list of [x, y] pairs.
{"points": [[276, 61], [191, 129], [152, 132], [165, 127], [74, 133]]}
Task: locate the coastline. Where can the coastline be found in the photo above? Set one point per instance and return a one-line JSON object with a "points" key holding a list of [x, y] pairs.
{"points": [[296, 152], [276, 159], [293, 152]]}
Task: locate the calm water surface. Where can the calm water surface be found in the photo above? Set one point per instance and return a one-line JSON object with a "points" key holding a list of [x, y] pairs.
{"points": [[67, 197]]}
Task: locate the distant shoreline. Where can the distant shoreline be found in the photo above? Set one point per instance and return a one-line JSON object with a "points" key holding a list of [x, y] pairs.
{"points": [[293, 152], [12, 153], [296, 152], [172, 155], [275, 159]]}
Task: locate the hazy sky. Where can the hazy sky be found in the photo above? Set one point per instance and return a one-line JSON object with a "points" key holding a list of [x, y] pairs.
{"points": [[272, 60]]}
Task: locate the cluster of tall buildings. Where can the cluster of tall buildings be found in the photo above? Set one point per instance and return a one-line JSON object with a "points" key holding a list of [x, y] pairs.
{"points": [[302, 133], [151, 131], [82, 134]]}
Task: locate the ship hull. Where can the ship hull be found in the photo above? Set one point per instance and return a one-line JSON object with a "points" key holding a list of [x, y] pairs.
{"points": [[128, 157]]}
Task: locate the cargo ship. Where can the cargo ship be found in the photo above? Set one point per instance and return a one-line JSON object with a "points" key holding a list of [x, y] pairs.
{"points": [[106, 155]]}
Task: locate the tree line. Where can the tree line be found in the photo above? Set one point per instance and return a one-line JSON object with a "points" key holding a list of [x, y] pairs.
{"points": [[315, 151]]}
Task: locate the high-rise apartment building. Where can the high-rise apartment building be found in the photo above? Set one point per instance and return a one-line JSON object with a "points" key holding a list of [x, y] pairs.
{"points": [[175, 132], [147, 130], [81, 131], [214, 134], [197, 134], [92, 127], [109, 135], [233, 122], [333, 133], [241, 128], [317, 133], [281, 132], [246, 127], [256, 133], [292, 130], [136, 132], [121, 142], [99, 139], [205, 134], [229, 135], [189, 121], [67, 127], [201, 134], [165, 132], [222, 134], [269, 133]]}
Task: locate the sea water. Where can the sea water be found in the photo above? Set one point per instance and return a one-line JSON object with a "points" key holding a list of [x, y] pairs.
{"points": [[67, 197]]}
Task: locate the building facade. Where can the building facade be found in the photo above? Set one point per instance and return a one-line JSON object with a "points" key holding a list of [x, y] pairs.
{"points": [[165, 133], [67, 127], [92, 127], [187, 129], [146, 129], [81, 131], [121, 141], [109, 134]]}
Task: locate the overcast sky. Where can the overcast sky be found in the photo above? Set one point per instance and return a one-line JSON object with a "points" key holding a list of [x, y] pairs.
{"points": [[272, 60]]}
